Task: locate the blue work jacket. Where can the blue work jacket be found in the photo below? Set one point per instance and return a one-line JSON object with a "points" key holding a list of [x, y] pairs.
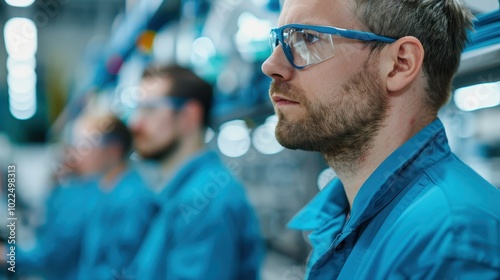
{"points": [[206, 228], [422, 214], [117, 227], [58, 241]]}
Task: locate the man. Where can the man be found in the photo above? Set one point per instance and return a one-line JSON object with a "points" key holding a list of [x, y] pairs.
{"points": [[123, 213], [58, 238], [96, 220], [57, 249], [206, 228], [366, 96]]}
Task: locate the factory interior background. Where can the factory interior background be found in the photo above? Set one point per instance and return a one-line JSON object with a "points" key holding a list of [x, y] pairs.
{"points": [[81, 50]]}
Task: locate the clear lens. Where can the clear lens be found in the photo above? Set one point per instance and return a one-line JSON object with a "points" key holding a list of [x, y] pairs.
{"points": [[273, 39], [308, 46]]}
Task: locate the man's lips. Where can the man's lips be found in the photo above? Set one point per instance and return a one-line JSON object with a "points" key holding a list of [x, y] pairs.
{"points": [[279, 100]]}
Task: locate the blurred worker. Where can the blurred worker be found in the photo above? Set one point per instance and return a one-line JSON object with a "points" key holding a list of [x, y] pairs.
{"points": [[206, 228], [124, 210], [67, 211], [58, 240], [366, 95]]}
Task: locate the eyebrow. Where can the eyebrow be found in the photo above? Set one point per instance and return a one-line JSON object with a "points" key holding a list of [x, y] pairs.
{"points": [[307, 22]]}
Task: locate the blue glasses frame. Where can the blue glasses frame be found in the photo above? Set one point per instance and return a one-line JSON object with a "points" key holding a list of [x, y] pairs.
{"points": [[276, 36], [176, 102]]}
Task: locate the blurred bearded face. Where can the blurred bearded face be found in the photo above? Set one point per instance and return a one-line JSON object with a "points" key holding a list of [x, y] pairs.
{"points": [[155, 128]]}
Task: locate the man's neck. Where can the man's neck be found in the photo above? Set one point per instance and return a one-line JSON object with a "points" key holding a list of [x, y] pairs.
{"points": [[187, 148], [108, 182], [397, 129]]}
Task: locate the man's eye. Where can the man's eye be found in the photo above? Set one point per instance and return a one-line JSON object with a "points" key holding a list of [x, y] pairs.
{"points": [[147, 109], [309, 38]]}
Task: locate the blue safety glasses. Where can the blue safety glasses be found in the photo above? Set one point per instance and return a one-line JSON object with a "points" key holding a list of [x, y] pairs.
{"points": [[305, 45], [149, 106]]}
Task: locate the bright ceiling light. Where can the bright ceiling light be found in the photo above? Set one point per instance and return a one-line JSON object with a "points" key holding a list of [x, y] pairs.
{"points": [[13, 63], [24, 105], [203, 50], [21, 98], [234, 139], [22, 71], [21, 85], [21, 81], [264, 139], [478, 97], [20, 36], [20, 3], [22, 114]]}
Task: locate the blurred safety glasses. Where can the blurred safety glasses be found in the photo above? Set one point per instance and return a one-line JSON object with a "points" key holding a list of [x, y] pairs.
{"points": [[305, 45], [151, 105]]}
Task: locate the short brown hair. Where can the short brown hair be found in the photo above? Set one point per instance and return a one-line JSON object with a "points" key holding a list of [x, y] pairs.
{"points": [[185, 84], [118, 133], [440, 25], [110, 130]]}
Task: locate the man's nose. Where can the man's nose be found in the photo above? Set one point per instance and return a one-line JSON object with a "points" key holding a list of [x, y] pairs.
{"points": [[277, 66], [135, 123]]}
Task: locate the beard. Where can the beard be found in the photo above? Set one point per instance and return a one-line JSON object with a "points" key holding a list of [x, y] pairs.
{"points": [[162, 152], [343, 125]]}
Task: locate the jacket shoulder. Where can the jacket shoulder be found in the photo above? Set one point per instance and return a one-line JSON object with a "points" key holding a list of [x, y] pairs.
{"points": [[463, 189]]}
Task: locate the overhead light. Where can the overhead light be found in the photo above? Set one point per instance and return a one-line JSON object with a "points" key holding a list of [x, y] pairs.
{"points": [[264, 139], [19, 3], [25, 105], [20, 36], [251, 28], [21, 71], [13, 63], [234, 139], [21, 84], [203, 49], [21, 99], [478, 97], [22, 105], [21, 43], [22, 114], [227, 80]]}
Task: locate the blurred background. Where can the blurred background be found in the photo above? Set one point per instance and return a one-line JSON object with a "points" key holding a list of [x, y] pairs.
{"points": [[74, 51]]}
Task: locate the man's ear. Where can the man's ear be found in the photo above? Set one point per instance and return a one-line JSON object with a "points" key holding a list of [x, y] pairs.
{"points": [[116, 150], [191, 116], [403, 62]]}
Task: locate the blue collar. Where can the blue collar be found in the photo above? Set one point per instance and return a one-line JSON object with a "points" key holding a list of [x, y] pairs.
{"points": [[330, 207], [184, 173]]}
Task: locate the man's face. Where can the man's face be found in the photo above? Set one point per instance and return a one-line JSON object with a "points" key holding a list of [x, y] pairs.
{"points": [[335, 106], [155, 127], [86, 155]]}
